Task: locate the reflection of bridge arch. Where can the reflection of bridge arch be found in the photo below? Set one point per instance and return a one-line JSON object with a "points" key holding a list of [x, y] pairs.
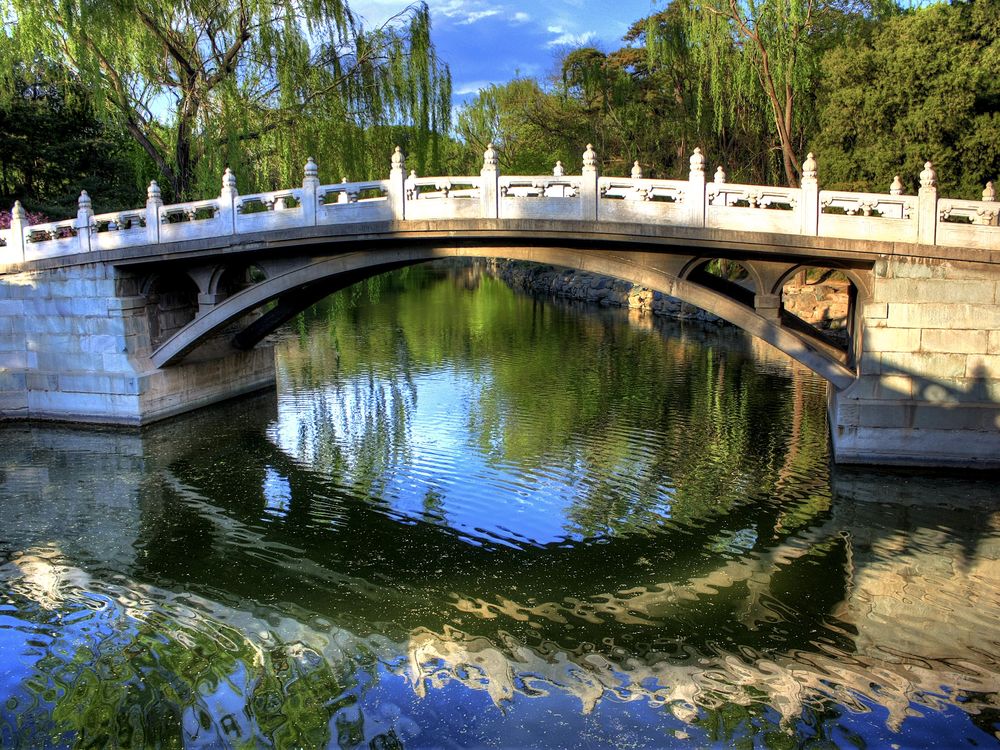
{"points": [[308, 281]]}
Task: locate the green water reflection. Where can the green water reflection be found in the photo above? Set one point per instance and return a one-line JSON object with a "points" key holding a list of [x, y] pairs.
{"points": [[472, 518]]}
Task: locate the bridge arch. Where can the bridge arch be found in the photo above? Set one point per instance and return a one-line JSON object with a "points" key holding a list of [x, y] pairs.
{"points": [[171, 304], [312, 279]]}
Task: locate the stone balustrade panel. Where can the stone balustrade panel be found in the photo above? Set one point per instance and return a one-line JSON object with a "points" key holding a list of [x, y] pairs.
{"points": [[753, 208], [353, 202], [194, 220], [968, 223], [118, 229], [868, 216], [643, 200], [443, 198], [51, 239], [545, 197], [278, 209]]}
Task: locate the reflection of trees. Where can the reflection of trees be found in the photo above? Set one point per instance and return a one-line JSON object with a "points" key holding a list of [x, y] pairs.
{"points": [[726, 622], [138, 667], [644, 424], [732, 592]]}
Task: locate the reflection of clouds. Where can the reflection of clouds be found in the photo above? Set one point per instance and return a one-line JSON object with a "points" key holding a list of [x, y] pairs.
{"points": [[690, 685], [39, 574], [918, 627]]}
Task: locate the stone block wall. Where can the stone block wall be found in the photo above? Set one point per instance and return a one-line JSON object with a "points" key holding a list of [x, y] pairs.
{"points": [[75, 345], [929, 385]]}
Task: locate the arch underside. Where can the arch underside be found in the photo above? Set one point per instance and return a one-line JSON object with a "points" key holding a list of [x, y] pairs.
{"points": [[298, 285]]}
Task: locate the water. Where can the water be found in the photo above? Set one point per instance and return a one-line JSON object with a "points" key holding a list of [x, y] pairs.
{"points": [[470, 518]]}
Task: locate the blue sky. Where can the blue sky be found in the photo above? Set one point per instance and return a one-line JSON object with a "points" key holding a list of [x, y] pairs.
{"points": [[492, 41]]}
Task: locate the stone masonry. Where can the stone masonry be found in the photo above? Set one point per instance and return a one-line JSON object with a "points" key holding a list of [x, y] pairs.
{"points": [[928, 389], [73, 343]]}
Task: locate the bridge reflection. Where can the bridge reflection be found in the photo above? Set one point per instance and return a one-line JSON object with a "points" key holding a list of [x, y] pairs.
{"points": [[863, 596]]}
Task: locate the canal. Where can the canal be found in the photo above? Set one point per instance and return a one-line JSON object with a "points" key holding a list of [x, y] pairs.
{"points": [[473, 518]]}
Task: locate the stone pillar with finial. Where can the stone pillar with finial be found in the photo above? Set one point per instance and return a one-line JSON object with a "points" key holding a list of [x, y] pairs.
{"points": [[397, 185], [896, 188], [227, 202], [636, 170], [809, 197], [310, 192], [84, 220], [154, 202], [15, 245], [695, 197], [990, 215], [927, 211], [489, 187], [589, 194]]}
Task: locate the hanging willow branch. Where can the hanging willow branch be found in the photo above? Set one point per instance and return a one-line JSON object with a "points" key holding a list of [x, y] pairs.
{"points": [[763, 56], [201, 84]]}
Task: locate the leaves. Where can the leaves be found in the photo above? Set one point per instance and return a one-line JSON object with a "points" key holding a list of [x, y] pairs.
{"points": [[202, 84], [925, 85]]}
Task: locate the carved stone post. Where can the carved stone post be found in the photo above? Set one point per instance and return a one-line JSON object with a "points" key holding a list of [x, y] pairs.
{"points": [[588, 189], [84, 218], [809, 197], [310, 190], [990, 216], [227, 201], [695, 197], [489, 186], [927, 212], [154, 202], [18, 221], [397, 185]]}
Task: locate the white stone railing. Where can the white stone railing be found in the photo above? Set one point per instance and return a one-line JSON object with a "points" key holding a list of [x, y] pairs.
{"points": [[695, 202]]}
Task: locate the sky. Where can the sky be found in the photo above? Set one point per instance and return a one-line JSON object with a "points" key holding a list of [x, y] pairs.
{"points": [[493, 41]]}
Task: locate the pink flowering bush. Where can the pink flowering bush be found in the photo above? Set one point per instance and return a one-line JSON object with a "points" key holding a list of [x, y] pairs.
{"points": [[33, 218]]}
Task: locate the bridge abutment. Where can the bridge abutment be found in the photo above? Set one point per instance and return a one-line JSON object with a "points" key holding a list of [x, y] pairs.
{"points": [[75, 345], [928, 390]]}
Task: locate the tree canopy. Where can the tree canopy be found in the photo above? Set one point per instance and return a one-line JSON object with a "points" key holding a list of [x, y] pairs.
{"points": [[88, 154], [201, 84], [178, 91], [924, 85]]}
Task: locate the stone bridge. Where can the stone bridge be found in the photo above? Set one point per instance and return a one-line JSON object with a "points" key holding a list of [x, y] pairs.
{"points": [[131, 317]]}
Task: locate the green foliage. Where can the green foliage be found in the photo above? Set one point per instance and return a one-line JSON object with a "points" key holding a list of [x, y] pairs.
{"points": [[530, 128], [201, 84], [54, 146], [926, 85], [763, 59]]}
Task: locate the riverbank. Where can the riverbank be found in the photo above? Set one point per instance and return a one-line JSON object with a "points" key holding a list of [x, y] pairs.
{"points": [[589, 287], [822, 302]]}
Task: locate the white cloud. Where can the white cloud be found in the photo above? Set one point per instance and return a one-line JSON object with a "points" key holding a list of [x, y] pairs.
{"points": [[471, 87], [477, 15], [568, 39], [521, 17]]}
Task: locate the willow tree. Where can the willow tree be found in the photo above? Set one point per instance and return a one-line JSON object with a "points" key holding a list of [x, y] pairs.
{"points": [[199, 82], [764, 55]]}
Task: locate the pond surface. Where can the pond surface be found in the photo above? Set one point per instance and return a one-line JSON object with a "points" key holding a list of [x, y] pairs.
{"points": [[471, 518]]}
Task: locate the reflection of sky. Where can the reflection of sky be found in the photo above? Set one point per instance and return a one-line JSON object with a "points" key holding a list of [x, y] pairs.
{"points": [[277, 491], [436, 469]]}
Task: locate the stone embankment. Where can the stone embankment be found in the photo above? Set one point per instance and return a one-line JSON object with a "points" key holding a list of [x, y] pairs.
{"points": [[589, 287]]}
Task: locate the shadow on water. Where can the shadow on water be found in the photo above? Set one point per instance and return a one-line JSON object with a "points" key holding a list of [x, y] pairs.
{"points": [[596, 558]]}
